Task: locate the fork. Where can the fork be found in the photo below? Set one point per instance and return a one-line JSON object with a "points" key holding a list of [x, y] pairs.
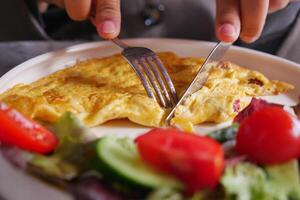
{"points": [[152, 73]]}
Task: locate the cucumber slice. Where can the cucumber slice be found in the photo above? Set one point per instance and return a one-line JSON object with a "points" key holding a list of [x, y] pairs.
{"points": [[118, 160]]}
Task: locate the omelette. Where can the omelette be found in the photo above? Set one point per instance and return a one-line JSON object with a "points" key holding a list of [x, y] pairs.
{"points": [[100, 90]]}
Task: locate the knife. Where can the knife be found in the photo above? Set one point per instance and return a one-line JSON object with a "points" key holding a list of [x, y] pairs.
{"points": [[199, 80]]}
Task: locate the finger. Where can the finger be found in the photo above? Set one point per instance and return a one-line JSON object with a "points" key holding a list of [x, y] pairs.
{"points": [[253, 16], [108, 18], [78, 9], [276, 5], [227, 20]]}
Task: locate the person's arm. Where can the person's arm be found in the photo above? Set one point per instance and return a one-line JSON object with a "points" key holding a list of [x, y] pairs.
{"points": [[244, 18], [107, 14]]}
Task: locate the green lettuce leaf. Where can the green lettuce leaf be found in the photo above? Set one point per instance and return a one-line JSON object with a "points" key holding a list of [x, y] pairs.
{"points": [[284, 182], [167, 193], [69, 158], [247, 181], [225, 134]]}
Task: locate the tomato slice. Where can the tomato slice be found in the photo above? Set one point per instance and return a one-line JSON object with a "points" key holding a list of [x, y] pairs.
{"points": [[16, 129], [197, 161], [269, 136]]}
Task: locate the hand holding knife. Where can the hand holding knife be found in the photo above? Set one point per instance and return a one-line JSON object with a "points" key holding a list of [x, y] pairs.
{"points": [[199, 80]]}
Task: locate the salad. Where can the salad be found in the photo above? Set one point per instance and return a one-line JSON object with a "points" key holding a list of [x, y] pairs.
{"points": [[256, 158]]}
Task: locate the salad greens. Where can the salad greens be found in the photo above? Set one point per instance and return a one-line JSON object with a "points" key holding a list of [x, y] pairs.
{"points": [[224, 134], [241, 181], [284, 182], [70, 157], [166, 193], [247, 181]]}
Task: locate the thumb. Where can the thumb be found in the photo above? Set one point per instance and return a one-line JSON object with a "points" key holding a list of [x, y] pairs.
{"points": [[108, 18], [228, 22]]}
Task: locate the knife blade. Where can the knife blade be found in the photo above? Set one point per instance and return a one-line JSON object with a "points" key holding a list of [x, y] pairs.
{"points": [[199, 80]]}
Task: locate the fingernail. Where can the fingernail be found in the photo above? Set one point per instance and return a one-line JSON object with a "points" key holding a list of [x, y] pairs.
{"points": [[227, 30], [107, 27], [249, 39]]}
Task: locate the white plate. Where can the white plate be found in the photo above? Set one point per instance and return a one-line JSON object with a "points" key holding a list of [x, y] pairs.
{"points": [[28, 188]]}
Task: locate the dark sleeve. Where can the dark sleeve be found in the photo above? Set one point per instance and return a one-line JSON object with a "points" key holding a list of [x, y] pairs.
{"points": [[276, 30], [18, 23]]}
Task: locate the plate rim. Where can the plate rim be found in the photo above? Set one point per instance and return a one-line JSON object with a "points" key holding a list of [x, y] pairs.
{"points": [[101, 44]]}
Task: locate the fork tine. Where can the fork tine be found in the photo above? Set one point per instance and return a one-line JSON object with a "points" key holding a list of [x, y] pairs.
{"points": [[149, 68], [135, 65], [166, 76], [160, 80], [153, 82]]}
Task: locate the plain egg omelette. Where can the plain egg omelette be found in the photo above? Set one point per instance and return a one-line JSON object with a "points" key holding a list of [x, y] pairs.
{"points": [[99, 90]]}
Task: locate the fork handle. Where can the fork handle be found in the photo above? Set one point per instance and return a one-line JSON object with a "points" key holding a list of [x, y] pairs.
{"points": [[120, 43]]}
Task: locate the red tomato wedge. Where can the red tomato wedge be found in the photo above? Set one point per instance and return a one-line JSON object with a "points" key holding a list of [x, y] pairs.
{"points": [[269, 136], [197, 161], [16, 129]]}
